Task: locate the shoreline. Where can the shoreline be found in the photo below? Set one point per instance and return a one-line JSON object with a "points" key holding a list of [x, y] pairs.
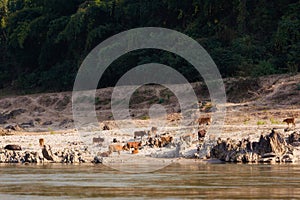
{"points": [[71, 148]]}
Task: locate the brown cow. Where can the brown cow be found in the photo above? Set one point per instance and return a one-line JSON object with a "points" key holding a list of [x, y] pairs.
{"points": [[135, 151], [204, 120], [42, 142], [290, 121], [165, 140], [115, 148], [134, 145]]}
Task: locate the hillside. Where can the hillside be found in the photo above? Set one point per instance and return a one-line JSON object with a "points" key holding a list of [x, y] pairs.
{"points": [[269, 99]]}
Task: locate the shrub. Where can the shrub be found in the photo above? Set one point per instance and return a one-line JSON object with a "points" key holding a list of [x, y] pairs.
{"points": [[261, 122], [263, 68], [145, 117], [273, 121]]}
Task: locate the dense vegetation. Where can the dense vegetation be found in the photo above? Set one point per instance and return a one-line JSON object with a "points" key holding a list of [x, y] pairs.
{"points": [[43, 42]]}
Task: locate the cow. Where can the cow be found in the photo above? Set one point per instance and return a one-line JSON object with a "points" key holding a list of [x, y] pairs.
{"points": [[153, 130], [115, 148], [290, 121], [42, 142], [98, 140], [204, 120], [134, 145], [140, 134], [135, 151], [165, 140]]}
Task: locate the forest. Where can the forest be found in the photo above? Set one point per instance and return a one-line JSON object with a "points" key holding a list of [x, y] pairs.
{"points": [[43, 42]]}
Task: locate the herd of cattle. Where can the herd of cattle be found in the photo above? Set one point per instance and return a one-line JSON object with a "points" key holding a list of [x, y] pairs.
{"points": [[155, 140], [149, 138]]}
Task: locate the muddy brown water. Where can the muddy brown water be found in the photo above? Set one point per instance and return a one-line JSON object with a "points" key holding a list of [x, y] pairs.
{"points": [[176, 181]]}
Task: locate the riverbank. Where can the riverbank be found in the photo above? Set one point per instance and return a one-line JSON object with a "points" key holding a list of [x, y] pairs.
{"points": [[74, 147]]}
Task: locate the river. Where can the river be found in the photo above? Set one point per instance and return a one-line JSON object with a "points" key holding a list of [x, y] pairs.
{"points": [[176, 181]]}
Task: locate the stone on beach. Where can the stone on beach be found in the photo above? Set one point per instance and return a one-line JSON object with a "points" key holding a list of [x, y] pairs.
{"points": [[13, 147], [269, 148]]}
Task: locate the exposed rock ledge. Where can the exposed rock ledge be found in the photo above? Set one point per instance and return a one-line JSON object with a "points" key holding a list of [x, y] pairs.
{"points": [[272, 148]]}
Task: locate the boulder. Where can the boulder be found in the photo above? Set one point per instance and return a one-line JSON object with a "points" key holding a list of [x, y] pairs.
{"points": [[47, 153], [97, 160], [47, 123], [294, 138], [3, 131], [14, 127], [269, 148], [13, 147], [27, 124]]}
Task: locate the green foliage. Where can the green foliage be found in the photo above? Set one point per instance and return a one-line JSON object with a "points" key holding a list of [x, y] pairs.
{"points": [[161, 100], [145, 117], [298, 86], [43, 42], [260, 122], [263, 68], [273, 121]]}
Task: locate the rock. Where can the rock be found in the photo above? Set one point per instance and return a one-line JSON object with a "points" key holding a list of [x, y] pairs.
{"points": [[66, 122], [13, 147], [97, 160], [5, 104], [62, 103], [14, 127], [270, 148], [47, 153], [3, 131], [294, 138], [15, 113], [39, 109], [105, 127], [104, 154], [201, 133], [29, 124], [4, 117], [47, 123], [268, 155], [47, 101]]}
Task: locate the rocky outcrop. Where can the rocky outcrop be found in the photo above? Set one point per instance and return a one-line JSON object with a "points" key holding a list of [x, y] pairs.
{"points": [[294, 139], [13, 127], [45, 155], [3, 131], [9, 156], [13, 147], [269, 148], [6, 116]]}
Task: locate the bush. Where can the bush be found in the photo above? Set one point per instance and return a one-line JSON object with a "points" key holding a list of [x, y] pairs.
{"points": [[261, 123], [263, 68]]}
